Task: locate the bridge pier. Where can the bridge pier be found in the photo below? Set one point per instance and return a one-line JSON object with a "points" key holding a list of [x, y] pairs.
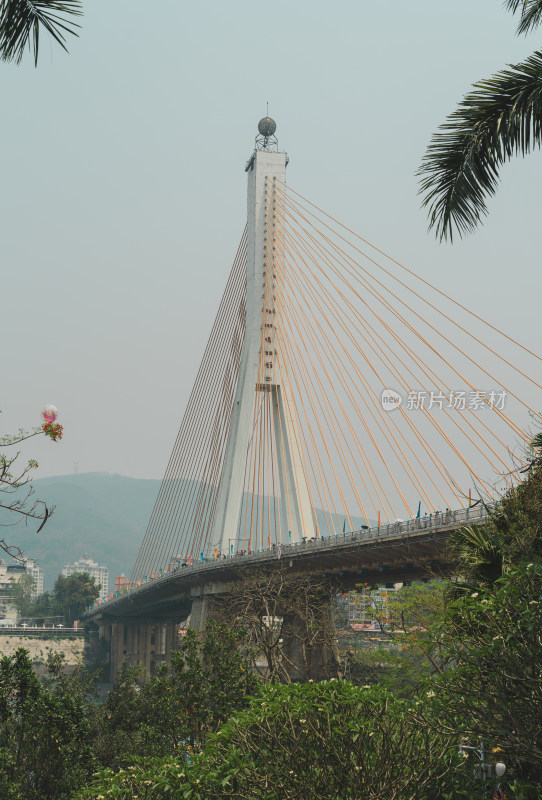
{"points": [[122, 630], [132, 641], [310, 647], [200, 612], [204, 603]]}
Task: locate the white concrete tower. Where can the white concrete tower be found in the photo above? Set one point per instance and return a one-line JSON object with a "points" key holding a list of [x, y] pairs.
{"points": [[259, 368]]}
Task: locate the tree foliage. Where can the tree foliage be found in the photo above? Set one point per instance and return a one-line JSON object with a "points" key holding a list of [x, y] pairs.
{"points": [[500, 118], [44, 732], [311, 741], [73, 594], [23, 21], [53, 735], [530, 13], [511, 535], [490, 637], [16, 491], [402, 653], [288, 620], [493, 687], [21, 594], [176, 709]]}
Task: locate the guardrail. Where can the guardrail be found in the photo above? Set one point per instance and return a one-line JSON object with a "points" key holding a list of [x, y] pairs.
{"points": [[430, 522], [58, 633]]}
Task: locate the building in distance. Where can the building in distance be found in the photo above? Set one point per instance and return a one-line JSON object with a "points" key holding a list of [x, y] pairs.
{"points": [[10, 575], [97, 571], [34, 569]]}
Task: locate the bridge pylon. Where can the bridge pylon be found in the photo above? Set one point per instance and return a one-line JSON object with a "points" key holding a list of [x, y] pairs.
{"points": [[263, 387]]}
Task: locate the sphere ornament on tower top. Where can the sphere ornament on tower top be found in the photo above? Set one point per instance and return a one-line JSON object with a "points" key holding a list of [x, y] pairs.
{"points": [[266, 139], [267, 126]]}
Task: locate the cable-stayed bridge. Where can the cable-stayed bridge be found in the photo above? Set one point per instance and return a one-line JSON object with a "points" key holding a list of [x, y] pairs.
{"points": [[340, 395]]}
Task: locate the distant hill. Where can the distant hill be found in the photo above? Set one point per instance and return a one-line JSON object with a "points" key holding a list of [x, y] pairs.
{"points": [[102, 515], [99, 514]]}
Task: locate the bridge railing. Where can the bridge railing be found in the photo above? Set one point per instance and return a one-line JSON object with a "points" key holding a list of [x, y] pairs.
{"points": [[440, 520]]}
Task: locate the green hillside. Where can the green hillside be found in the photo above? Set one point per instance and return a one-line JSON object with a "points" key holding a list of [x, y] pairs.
{"points": [[99, 514], [102, 515]]}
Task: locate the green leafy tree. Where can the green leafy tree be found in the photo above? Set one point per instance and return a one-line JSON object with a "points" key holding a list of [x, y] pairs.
{"points": [[212, 675], [518, 518], [53, 735], [44, 731], [390, 667], [479, 555], [175, 710], [23, 21], [149, 778], [21, 595], [500, 118], [412, 609], [492, 639], [312, 741], [73, 595], [42, 607], [406, 652], [512, 534]]}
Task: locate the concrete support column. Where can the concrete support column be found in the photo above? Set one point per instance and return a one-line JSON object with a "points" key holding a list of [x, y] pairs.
{"points": [[200, 612], [172, 638], [118, 649], [105, 630], [104, 637], [310, 646], [133, 643], [145, 645]]}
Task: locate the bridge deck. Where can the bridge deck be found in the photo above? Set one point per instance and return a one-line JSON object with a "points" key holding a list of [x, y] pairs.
{"points": [[400, 551]]}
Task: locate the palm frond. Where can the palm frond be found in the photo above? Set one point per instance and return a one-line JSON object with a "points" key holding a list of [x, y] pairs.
{"points": [[479, 555], [531, 13], [501, 118], [513, 5], [22, 20]]}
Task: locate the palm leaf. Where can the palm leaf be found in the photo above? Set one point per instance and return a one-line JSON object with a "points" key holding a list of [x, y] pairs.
{"points": [[531, 13], [501, 118], [479, 555], [22, 20]]}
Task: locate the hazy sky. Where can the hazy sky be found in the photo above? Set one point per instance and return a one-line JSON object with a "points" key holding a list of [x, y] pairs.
{"points": [[123, 191]]}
